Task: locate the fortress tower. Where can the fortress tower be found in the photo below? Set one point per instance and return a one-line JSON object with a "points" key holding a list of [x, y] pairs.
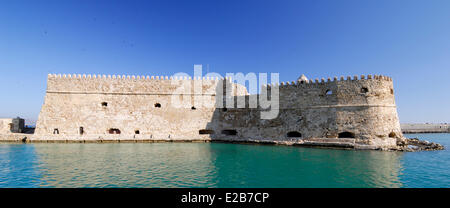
{"points": [[353, 112]]}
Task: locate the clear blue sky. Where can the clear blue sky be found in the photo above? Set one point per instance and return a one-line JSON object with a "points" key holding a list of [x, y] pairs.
{"points": [[407, 40]]}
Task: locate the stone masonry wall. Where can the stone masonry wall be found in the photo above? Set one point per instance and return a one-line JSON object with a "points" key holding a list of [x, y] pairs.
{"points": [[322, 110], [360, 110]]}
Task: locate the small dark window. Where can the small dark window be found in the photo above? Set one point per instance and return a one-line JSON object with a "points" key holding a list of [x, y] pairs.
{"points": [[205, 131], [193, 108], [364, 90], [55, 131], [392, 91], [329, 92], [392, 135], [157, 105], [294, 134], [346, 135], [137, 132], [230, 132], [104, 104], [224, 109], [81, 130], [114, 131]]}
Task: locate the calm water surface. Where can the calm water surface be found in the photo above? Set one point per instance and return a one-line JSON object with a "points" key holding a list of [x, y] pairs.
{"points": [[219, 165]]}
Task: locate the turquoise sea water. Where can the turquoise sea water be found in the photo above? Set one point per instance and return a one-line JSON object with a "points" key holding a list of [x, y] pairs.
{"points": [[219, 165]]}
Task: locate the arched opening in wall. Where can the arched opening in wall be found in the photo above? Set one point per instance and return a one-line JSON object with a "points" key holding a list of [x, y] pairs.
{"points": [[81, 130], [294, 134], [229, 132], [392, 135], [104, 104], [114, 131], [328, 92], [392, 91], [157, 105], [193, 108], [55, 131], [364, 90], [11, 127], [205, 131], [346, 135], [137, 132]]}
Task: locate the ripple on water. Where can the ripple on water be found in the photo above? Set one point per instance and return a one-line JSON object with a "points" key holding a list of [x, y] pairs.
{"points": [[217, 165]]}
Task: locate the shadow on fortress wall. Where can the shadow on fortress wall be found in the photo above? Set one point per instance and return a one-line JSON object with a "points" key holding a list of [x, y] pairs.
{"points": [[213, 128], [224, 120], [301, 110], [226, 123]]}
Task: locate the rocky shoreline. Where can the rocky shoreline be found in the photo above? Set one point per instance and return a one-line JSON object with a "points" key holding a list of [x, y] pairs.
{"points": [[414, 144]]}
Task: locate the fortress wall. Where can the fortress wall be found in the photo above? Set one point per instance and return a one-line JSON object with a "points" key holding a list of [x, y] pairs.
{"points": [[75, 102], [365, 122], [309, 110], [130, 113], [341, 92], [134, 84], [370, 113], [311, 124]]}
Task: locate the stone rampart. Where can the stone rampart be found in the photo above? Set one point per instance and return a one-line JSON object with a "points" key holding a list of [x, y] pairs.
{"points": [[359, 112]]}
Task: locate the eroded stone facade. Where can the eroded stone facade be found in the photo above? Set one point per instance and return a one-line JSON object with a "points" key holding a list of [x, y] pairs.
{"points": [[358, 112]]}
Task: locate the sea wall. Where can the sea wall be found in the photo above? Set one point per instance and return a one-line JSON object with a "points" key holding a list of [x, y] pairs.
{"points": [[425, 128], [353, 112], [127, 107], [357, 111]]}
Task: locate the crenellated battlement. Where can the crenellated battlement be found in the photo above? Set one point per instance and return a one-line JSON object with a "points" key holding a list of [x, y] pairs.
{"points": [[297, 83], [329, 80], [132, 84], [347, 89], [130, 77]]}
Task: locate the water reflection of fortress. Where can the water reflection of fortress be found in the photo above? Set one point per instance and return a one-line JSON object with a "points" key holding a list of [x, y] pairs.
{"points": [[356, 112]]}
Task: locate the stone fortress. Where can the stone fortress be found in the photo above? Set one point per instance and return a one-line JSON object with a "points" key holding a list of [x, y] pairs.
{"points": [[356, 112], [353, 112]]}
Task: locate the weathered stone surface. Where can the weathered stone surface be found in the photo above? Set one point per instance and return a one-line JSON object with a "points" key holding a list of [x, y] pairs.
{"points": [[353, 113]]}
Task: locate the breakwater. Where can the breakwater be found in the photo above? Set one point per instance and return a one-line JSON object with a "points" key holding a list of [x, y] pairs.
{"points": [[425, 128]]}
